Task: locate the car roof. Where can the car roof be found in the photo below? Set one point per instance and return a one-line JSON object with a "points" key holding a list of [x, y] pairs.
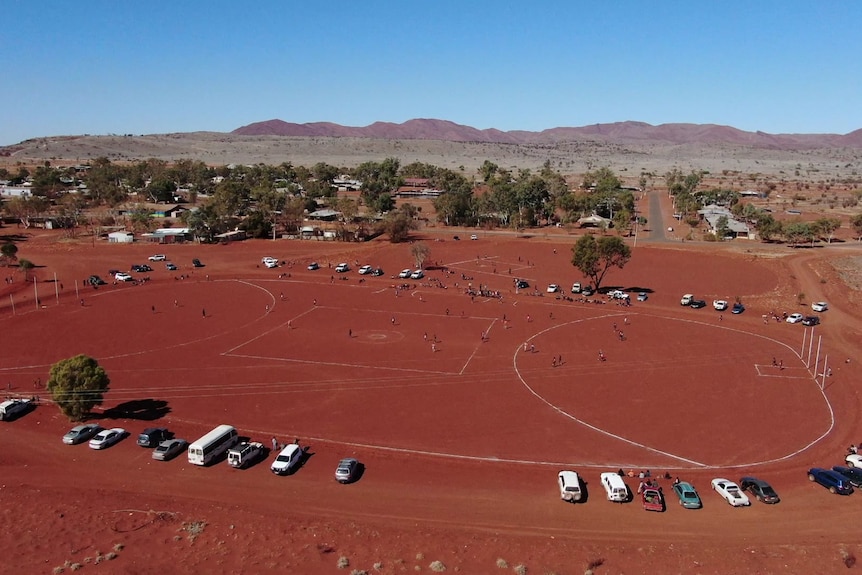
{"points": [[289, 449]]}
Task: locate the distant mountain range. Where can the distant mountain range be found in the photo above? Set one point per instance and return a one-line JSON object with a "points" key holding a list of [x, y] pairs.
{"points": [[444, 130]]}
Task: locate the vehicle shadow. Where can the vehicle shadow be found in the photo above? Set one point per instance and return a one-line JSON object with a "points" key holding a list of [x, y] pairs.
{"points": [[585, 492], [141, 409]]}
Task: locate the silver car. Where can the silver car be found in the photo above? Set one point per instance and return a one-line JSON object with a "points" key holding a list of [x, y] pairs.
{"points": [[81, 433], [346, 470], [169, 448]]}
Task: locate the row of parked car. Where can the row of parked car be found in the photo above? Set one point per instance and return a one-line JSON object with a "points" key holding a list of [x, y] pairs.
{"points": [[240, 454], [840, 479]]}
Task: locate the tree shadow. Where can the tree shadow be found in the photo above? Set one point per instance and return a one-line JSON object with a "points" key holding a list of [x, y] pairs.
{"points": [[141, 409]]}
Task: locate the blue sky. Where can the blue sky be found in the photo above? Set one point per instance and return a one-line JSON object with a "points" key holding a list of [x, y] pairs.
{"points": [[100, 67]]}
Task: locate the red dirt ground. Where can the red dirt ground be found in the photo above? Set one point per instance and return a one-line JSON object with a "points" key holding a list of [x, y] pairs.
{"points": [[462, 444]]}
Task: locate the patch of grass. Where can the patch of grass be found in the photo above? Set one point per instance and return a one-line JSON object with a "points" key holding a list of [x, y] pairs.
{"points": [[848, 558], [194, 528], [119, 547], [75, 566], [343, 562], [57, 570], [359, 572], [111, 556], [378, 566], [437, 566], [502, 563], [420, 556], [520, 569]]}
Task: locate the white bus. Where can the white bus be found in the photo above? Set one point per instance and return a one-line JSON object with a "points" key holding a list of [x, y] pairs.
{"points": [[212, 445]]}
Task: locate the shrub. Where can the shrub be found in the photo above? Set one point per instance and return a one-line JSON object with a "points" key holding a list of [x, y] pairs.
{"points": [[502, 563], [437, 566], [343, 562], [521, 569]]}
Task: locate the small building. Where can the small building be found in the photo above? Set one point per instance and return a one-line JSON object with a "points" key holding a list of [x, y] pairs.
{"points": [[121, 237], [231, 236], [594, 221], [168, 236], [325, 215]]}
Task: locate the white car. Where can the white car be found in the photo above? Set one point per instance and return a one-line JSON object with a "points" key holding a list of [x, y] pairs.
{"points": [[158, 258], [123, 277], [365, 270], [313, 266], [474, 237], [269, 262], [405, 273], [342, 267], [719, 304], [287, 459], [107, 437], [618, 294], [570, 486], [553, 288], [731, 492], [417, 275], [794, 318], [819, 306], [854, 460]]}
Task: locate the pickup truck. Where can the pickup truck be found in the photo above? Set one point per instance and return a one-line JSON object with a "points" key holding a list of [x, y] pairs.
{"points": [[653, 500], [13, 408], [244, 454]]}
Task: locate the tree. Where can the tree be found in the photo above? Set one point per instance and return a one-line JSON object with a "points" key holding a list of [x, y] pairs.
{"points": [[9, 253], [594, 257], [856, 224], [77, 385], [828, 226], [420, 252], [398, 225]]}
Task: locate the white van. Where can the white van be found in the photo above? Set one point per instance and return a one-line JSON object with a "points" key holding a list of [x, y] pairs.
{"points": [[615, 487], [570, 486]]}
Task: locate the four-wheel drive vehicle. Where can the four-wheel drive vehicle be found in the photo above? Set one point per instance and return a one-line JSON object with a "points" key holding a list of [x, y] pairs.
{"points": [[123, 277], [853, 474], [521, 284], [152, 436], [761, 490], [719, 304], [158, 258], [615, 487], [313, 266], [245, 453], [346, 470], [95, 281], [170, 267], [686, 299], [81, 433], [587, 291], [794, 318], [197, 263], [737, 308], [810, 320], [287, 460], [142, 268], [831, 480], [341, 268], [14, 408], [642, 296], [820, 306], [365, 270], [405, 273], [570, 486], [576, 287], [269, 262], [697, 304], [417, 275]]}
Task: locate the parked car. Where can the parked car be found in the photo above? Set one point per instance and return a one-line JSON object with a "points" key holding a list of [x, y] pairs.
{"points": [[570, 486], [152, 436], [342, 268], [404, 274], [587, 290], [831, 480], [761, 490], [287, 460], [719, 304], [158, 258], [795, 318], [417, 275], [521, 284], [313, 266], [687, 495], [365, 270], [95, 281], [686, 299], [553, 288], [618, 294], [642, 296], [576, 287], [652, 499], [697, 304], [730, 492], [737, 308], [474, 237], [171, 267], [14, 408], [853, 474], [81, 433], [854, 460], [197, 263], [141, 268], [124, 277], [169, 448], [347, 469], [615, 488], [269, 262], [245, 454], [810, 320], [107, 438], [819, 306], [377, 272]]}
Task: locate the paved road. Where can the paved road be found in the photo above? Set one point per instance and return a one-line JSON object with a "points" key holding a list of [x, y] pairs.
{"points": [[656, 219]]}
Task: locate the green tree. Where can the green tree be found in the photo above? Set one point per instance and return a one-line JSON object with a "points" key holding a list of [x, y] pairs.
{"points": [[594, 257], [397, 225], [828, 226], [856, 224], [77, 385], [9, 251], [420, 252], [26, 266]]}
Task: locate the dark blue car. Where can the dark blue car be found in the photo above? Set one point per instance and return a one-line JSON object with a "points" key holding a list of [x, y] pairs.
{"points": [[853, 475], [831, 480]]}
